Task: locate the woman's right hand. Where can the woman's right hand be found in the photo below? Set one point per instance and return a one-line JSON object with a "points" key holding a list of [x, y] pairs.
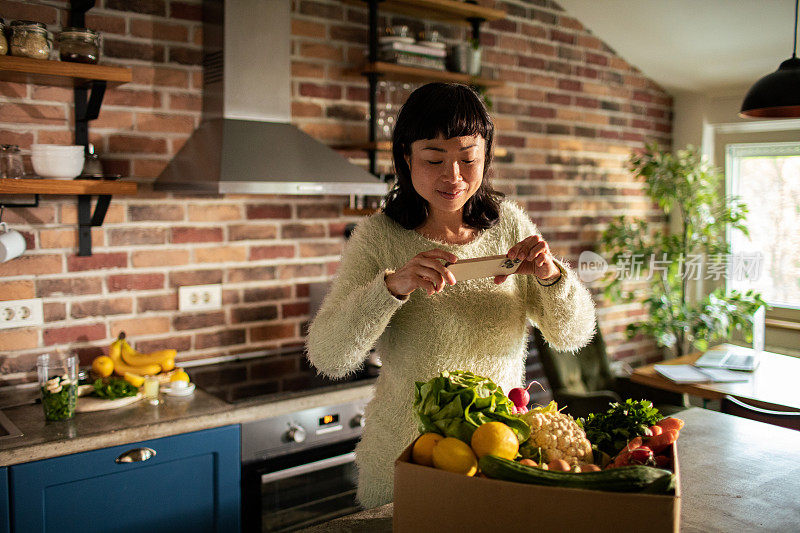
{"points": [[424, 271]]}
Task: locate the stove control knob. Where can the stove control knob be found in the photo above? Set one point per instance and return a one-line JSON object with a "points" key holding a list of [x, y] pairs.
{"points": [[296, 433], [358, 420]]}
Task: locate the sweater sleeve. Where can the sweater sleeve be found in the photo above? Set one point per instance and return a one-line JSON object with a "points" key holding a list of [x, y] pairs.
{"points": [[355, 311], [564, 311]]}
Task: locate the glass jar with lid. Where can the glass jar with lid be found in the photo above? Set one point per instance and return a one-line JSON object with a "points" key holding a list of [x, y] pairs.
{"points": [[30, 39], [79, 45], [3, 42]]}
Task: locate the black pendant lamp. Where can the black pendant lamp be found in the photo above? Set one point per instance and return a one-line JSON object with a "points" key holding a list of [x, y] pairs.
{"points": [[776, 95]]}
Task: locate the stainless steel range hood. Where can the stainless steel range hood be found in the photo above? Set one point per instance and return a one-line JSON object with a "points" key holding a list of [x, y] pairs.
{"points": [[245, 143]]}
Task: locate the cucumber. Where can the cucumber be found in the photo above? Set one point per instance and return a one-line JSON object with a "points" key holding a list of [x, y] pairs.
{"points": [[624, 479]]}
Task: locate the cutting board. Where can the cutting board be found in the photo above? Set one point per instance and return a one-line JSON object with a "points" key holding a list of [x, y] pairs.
{"points": [[88, 404]]}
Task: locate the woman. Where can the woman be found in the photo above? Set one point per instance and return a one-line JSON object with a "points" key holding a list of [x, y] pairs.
{"points": [[394, 293]]}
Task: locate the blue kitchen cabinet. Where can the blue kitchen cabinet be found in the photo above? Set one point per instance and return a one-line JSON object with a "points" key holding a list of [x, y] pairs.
{"points": [[5, 523], [190, 484]]}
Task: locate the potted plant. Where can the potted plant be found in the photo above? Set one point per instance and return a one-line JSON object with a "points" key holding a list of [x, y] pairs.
{"points": [[687, 186], [474, 57]]}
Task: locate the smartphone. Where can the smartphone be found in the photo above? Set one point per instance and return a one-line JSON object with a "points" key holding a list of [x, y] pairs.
{"points": [[483, 267]]}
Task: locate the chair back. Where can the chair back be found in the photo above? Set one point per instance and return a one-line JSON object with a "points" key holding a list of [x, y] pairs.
{"points": [[736, 407], [586, 370]]}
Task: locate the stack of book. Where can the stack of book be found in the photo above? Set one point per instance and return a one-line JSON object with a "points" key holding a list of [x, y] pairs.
{"points": [[413, 54]]}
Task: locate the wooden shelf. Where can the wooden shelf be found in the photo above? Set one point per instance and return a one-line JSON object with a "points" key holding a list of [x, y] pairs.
{"points": [[60, 73], [392, 71], [452, 11], [65, 187]]}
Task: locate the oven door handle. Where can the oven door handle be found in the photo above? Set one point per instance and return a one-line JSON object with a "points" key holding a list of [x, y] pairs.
{"points": [[309, 467]]}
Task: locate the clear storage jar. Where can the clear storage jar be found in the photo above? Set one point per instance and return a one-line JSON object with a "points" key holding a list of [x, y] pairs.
{"points": [[79, 45], [30, 39], [3, 42]]}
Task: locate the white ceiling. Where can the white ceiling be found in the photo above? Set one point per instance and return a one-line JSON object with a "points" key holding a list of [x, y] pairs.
{"points": [[711, 47]]}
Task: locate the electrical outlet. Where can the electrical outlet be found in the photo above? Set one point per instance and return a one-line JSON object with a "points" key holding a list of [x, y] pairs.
{"points": [[21, 313], [196, 297]]}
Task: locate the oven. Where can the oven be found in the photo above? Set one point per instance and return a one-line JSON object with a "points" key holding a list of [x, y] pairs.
{"points": [[298, 469]]}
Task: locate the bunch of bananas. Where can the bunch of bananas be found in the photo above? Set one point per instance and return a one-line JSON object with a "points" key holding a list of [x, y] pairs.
{"points": [[128, 360]]}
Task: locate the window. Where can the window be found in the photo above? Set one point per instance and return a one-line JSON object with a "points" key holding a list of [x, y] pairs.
{"points": [[766, 176]]}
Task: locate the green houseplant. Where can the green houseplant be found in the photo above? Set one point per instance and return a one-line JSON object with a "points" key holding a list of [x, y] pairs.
{"points": [[688, 187]]}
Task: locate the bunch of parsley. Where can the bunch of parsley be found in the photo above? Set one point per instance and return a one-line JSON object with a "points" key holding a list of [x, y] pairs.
{"points": [[113, 388], [612, 430]]}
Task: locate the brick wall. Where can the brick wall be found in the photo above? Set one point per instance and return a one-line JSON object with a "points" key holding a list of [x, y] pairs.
{"points": [[570, 114]]}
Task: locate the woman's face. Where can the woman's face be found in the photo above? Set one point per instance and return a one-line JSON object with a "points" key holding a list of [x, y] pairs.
{"points": [[447, 172]]}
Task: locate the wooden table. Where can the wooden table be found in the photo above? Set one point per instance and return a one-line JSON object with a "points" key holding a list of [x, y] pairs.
{"points": [[773, 385], [736, 475]]}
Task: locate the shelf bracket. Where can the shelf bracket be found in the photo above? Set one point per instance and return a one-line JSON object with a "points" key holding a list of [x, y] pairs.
{"points": [[476, 27], [88, 100], [77, 12], [87, 220], [35, 203]]}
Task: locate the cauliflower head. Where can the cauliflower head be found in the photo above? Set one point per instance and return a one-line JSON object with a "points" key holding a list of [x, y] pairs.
{"points": [[557, 435]]}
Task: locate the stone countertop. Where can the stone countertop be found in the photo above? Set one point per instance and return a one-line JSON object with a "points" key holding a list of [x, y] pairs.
{"points": [[142, 421]]}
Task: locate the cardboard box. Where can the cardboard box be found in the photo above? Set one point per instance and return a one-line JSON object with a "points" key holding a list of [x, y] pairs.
{"points": [[429, 499]]}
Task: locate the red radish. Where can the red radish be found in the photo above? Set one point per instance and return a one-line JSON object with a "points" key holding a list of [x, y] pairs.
{"points": [[641, 456], [521, 398]]}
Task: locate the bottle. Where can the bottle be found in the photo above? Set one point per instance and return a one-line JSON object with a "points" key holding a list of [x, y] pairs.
{"points": [[30, 39], [79, 45], [11, 165], [92, 166]]}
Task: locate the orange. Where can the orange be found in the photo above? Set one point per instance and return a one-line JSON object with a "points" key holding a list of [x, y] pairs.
{"points": [[103, 366], [422, 452], [180, 375], [495, 438]]}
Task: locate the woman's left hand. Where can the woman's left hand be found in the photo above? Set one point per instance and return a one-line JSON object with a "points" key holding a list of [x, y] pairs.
{"points": [[536, 259]]}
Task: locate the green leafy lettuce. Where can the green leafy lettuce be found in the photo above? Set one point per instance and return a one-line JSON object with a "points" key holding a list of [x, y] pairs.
{"points": [[455, 403], [612, 430]]}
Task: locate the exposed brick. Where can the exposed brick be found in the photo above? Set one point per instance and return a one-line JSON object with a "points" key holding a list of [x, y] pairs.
{"points": [[263, 273], [295, 309], [54, 311], [17, 339], [71, 334], [332, 92], [221, 254], [33, 113], [195, 234], [185, 102], [228, 337], [184, 55], [27, 265], [252, 232], [272, 252], [133, 236], [150, 212], [267, 294], [179, 343], [119, 49], [345, 112], [97, 261], [17, 290], [273, 332], [302, 231], [194, 277], [320, 249], [198, 320], [254, 314], [130, 144], [101, 308], [68, 287], [161, 31], [147, 7], [139, 327], [182, 10], [321, 10], [300, 271], [163, 122], [105, 23], [160, 76], [165, 302], [307, 28], [214, 212], [135, 282], [159, 258], [268, 211]]}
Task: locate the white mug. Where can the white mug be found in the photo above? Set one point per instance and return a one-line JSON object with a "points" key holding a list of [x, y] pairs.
{"points": [[12, 243]]}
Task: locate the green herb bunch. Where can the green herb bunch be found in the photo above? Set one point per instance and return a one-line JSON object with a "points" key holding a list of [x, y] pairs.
{"points": [[612, 430], [59, 398], [113, 388]]}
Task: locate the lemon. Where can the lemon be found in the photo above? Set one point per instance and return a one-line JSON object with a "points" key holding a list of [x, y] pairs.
{"points": [[180, 375], [422, 452], [454, 456], [495, 438], [103, 366], [134, 379], [167, 365]]}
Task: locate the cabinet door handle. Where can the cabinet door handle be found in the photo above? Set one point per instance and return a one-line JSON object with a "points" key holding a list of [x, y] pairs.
{"points": [[136, 455]]}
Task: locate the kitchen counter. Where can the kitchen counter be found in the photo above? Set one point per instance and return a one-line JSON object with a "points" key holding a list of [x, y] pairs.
{"points": [[142, 421], [736, 475]]}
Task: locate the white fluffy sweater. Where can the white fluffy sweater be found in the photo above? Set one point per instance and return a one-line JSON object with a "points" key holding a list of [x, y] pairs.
{"points": [[474, 325]]}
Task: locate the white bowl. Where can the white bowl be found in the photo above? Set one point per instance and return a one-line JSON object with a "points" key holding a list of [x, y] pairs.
{"points": [[57, 148], [57, 166]]}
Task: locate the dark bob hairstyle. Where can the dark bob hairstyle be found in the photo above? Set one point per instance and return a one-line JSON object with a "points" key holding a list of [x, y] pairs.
{"points": [[450, 110]]}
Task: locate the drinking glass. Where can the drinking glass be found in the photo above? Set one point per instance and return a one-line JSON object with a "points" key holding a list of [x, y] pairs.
{"points": [[58, 381], [11, 165]]}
